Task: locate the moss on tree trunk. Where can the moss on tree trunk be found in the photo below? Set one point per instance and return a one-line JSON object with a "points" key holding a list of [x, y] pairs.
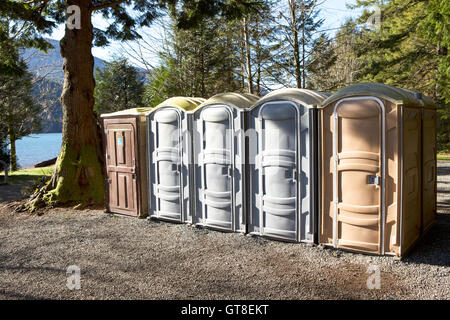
{"points": [[78, 177]]}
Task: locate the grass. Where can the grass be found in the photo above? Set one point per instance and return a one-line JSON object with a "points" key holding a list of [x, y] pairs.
{"points": [[28, 175], [443, 156]]}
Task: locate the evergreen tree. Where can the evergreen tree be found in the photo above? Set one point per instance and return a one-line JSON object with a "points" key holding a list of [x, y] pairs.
{"points": [[299, 22], [119, 86], [78, 177], [333, 63], [410, 50], [197, 62], [19, 112]]}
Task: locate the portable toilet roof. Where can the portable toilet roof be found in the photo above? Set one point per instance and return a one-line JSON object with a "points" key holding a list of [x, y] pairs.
{"points": [[308, 98], [185, 103], [238, 100], [133, 112], [397, 96]]}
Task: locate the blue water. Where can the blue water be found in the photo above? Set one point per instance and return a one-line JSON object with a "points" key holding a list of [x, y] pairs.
{"points": [[37, 148]]}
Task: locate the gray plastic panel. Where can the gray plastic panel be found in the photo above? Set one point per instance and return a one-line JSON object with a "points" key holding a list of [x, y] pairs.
{"points": [[280, 156], [168, 166], [218, 160]]}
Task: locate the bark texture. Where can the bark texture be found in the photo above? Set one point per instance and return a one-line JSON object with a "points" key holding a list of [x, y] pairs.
{"points": [[78, 176]]}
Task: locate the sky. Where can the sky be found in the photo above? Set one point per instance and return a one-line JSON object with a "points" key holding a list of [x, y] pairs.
{"points": [[334, 12]]}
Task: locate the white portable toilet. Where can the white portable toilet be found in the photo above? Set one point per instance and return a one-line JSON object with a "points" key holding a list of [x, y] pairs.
{"points": [[219, 160], [282, 158], [169, 158]]}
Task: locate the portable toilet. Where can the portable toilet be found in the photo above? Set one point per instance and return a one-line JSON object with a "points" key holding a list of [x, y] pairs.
{"points": [[125, 161], [371, 169], [170, 158], [219, 158], [282, 159]]}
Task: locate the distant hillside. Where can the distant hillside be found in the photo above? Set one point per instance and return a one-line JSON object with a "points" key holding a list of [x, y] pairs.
{"points": [[50, 64], [49, 90]]}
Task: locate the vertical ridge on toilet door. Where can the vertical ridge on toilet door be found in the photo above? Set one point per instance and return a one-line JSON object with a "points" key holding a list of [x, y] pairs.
{"points": [[216, 161], [166, 160], [277, 166]]}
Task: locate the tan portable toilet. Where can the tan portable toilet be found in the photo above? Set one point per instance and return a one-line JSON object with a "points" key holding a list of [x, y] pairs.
{"points": [[371, 169], [170, 159], [125, 161], [219, 158]]}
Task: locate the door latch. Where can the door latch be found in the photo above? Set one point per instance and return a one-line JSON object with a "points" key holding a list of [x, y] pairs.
{"points": [[376, 180], [133, 176], [230, 171]]}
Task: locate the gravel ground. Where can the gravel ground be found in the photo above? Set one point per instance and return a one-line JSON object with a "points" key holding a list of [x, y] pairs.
{"points": [[126, 258]]}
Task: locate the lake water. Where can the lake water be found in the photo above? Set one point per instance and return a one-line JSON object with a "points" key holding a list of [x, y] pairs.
{"points": [[37, 148]]}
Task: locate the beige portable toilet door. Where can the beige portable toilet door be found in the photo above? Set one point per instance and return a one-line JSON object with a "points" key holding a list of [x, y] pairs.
{"points": [[359, 179]]}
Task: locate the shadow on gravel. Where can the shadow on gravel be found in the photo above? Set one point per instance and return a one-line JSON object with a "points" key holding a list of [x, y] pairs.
{"points": [[443, 170], [15, 295], [11, 192], [434, 247]]}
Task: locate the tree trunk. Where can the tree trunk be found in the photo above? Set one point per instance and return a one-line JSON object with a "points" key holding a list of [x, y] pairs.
{"points": [[296, 47], [12, 152], [248, 61], [258, 56], [78, 176], [303, 57]]}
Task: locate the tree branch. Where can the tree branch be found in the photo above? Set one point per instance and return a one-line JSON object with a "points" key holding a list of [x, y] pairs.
{"points": [[107, 5]]}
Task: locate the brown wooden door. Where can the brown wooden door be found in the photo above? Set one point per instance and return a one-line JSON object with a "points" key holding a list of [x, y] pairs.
{"points": [[121, 165], [358, 144]]}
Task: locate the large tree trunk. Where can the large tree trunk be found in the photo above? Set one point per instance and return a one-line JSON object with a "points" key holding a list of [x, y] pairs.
{"points": [[78, 176], [12, 152]]}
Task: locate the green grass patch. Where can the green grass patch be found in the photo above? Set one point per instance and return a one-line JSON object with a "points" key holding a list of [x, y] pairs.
{"points": [[28, 175], [443, 156]]}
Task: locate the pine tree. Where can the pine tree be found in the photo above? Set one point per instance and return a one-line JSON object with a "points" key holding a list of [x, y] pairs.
{"points": [[78, 177], [119, 86], [410, 50], [20, 114], [299, 22], [333, 63]]}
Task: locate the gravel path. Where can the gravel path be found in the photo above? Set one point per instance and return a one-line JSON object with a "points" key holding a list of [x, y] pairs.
{"points": [[126, 258]]}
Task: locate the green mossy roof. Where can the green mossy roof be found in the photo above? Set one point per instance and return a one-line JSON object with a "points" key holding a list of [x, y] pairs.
{"points": [[185, 103], [133, 112], [238, 100]]}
